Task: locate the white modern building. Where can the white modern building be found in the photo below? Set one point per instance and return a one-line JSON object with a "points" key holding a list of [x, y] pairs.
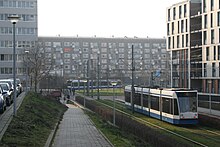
{"points": [[184, 42]]}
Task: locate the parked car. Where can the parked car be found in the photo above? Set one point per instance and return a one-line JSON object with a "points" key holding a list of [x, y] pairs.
{"points": [[10, 82], [7, 92], [2, 101], [19, 86]]}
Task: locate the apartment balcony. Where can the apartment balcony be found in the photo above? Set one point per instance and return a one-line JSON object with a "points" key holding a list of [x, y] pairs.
{"points": [[195, 9], [196, 27], [197, 42]]}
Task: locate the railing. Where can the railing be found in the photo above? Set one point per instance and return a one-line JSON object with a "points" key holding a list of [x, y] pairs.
{"points": [[204, 101]]}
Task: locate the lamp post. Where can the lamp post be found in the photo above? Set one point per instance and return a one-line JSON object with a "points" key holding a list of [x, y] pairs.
{"points": [[14, 19], [132, 78], [114, 84], [26, 76], [210, 91], [98, 95]]}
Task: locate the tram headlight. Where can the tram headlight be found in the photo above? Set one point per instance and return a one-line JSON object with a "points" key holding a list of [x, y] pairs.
{"points": [[181, 116], [195, 116]]}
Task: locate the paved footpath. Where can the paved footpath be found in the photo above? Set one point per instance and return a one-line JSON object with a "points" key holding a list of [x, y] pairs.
{"points": [[77, 130]]}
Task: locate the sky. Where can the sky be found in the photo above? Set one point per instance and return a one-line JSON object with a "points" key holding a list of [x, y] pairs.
{"points": [[103, 18]]}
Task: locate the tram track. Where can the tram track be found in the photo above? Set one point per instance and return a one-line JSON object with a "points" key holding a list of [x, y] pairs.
{"points": [[187, 138], [215, 133], [196, 132]]}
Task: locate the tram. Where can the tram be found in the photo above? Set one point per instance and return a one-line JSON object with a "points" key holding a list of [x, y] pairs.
{"points": [[79, 84], [175, 106]]}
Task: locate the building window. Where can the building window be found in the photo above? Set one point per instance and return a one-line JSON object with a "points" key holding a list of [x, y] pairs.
{"points": [[174, 13], [205, 21], [219, 4], [47, 43], [211, 19], [182, 40], [121, 44], [178, 41], [212, 36], [205, 69], [103, 44], [204, 37], [182, 26], [214, 54], [213, 70], [85, 44], [180, 11], [178, 29], [218, 18], [212, 5], [168, 29], [172, 27], [173, 42], [66, 44], [204, 6], [218, 52], [219, 72], [219, 35], [207, 53], [168, 14], [187, 40], [169, 42], [185, 10], [186, 25]]}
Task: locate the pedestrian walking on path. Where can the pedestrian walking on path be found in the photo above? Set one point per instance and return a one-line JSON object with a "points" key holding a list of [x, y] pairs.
{"points": [[77, 130]]}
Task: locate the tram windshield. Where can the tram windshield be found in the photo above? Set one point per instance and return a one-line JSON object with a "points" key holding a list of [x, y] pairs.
{"points": [[187, 101]]}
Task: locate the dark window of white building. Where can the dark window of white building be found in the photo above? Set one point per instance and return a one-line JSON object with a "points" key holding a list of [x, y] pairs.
{"points": [[180, 11]]}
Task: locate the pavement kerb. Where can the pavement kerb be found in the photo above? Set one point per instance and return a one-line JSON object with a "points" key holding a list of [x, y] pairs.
{"points": [[51, 137]]}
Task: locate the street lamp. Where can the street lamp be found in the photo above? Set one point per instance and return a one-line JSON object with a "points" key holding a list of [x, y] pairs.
{"points": [[114, 83], [98, 95], [26, 76], [210, 91], [132, 80], [14, 19]]}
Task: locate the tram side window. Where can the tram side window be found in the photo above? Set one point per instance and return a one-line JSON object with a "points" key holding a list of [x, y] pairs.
{"points": [[81, 84], [155, 102], [128, 97], [137, 98], [176, 112], [145, 101], [75, 84], [167, 105]]}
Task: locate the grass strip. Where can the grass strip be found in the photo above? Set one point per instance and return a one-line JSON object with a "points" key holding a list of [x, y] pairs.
{"points": [[116, 136], [35, 119]]}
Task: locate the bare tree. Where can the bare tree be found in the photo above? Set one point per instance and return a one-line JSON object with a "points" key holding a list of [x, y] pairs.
{"points": [[39, 63]]}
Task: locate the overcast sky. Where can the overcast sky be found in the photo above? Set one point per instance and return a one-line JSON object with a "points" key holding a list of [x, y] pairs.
{"points": [[103, 18]]}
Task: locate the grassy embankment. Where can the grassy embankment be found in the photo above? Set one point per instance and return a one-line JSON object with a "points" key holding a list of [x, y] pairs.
{"points": [[35, 119]]}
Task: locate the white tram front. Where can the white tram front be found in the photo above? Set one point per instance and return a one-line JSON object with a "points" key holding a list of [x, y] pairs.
{"points": [[176, 106]]}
